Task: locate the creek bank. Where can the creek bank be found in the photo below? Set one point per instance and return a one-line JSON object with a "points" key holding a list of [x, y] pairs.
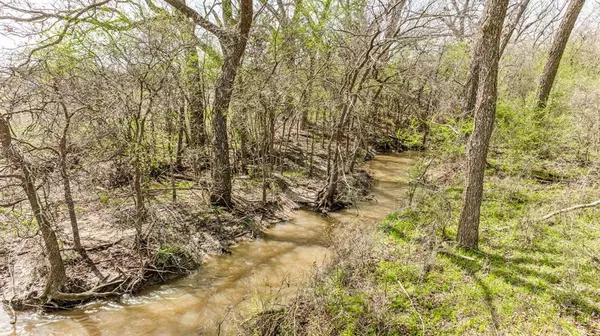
{"points": [[178, 237]]}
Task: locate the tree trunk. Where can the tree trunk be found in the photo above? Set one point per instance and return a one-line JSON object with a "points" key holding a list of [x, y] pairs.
{"points": [[472, 83], [243, 132], [196, 99], [180, 135], [233, 44], [221, 170], [68, 194], [485, 109], [56, 275], [140, 208], [559, 43], [196, 94]]}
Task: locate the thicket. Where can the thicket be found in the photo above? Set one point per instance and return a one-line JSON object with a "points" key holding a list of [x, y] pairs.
{"points": [[530, 275]]}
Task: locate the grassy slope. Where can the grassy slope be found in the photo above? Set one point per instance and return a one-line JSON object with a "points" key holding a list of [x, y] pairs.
{"points": [[529, 277]]}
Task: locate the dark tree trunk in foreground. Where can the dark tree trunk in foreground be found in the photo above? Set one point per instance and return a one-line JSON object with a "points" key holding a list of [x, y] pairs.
{"points": [[233, 44], [485, 109], [56, 275], [559, 43]]}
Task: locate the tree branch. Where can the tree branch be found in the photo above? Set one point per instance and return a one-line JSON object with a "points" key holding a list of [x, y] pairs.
{"points": [[219, 32], [575, 207]]}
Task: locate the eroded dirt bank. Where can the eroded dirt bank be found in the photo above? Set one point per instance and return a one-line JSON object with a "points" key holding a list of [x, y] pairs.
{"points": [[179, 235], [259, 274]]}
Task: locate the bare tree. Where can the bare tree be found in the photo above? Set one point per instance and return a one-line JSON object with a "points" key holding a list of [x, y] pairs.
{"points": [[56, 275], [485, 109], [559, 42]]}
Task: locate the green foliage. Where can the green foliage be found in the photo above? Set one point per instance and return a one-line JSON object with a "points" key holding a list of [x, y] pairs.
{"points": [[104, 199], [447, 139], [400, 225], [525, 278], [165, 254]]}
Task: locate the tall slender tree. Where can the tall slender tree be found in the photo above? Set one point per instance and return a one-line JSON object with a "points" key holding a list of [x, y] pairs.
{"points": [[559, 42], [485, 110], [472, 82]]}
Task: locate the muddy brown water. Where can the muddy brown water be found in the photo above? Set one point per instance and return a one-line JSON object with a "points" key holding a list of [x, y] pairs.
{"points": [[259, 274]]}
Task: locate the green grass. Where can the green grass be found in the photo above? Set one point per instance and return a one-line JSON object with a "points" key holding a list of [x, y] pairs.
{"points": [[528, 278]]}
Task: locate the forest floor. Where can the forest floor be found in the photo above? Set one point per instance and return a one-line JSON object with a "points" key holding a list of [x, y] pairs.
{"points": [[178, 234], [529, 277]]}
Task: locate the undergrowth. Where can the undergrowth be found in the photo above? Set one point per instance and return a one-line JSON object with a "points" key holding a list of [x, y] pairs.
{"points": [[529, 277]]}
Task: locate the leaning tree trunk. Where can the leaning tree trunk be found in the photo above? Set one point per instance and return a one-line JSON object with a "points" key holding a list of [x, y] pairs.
{"points": [[485, 109], [557, 49], [56, 275], [472, 82]]}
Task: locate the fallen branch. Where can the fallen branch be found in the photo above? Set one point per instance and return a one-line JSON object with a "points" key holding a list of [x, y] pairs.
{"points": [[412, 304], [575, 207], [452, 254]]}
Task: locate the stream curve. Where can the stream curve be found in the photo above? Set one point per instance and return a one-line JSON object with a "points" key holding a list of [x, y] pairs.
{"points": [[228, 288]]}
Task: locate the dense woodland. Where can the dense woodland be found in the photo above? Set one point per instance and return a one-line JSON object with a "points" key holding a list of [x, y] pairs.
{"points": [[138, 137]]}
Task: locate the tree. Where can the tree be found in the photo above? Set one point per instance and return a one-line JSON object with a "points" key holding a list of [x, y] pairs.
{"points": [[472, 82], [56, 275], [194, 84], [233, 43], [485, 109], [559, 42]]}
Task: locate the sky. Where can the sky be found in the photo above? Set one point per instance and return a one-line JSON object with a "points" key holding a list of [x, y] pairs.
{"points": [[12, 35]]}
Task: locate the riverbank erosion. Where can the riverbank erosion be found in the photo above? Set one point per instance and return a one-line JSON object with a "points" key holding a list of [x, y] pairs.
{"points": [[227, 288], [180, 227]]}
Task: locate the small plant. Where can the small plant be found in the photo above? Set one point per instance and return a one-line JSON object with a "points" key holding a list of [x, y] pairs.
{"points": [[165, 254], [104, 199]]}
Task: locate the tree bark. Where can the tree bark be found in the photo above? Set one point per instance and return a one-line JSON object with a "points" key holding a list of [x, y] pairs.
{"points": [[56, 275], [64, 173], [559, 42], [196, 94], [472, 82], [233, 44], [485, 109], [140, 208], [243, 132]]}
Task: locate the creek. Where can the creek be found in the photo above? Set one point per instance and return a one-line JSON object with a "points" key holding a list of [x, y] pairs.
{"points": [[258, 274]]}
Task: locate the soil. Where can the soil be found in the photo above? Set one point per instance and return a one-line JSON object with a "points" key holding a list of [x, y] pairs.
{"points": [[178, 235]]}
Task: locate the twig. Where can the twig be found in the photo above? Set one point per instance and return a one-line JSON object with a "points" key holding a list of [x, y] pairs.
{"points": [[456, 255], [575, 207], [412, 304]]}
